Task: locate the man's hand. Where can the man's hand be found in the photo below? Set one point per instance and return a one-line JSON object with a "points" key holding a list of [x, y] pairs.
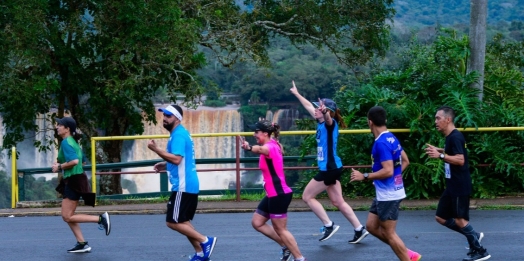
{"points": [[432, 151], [356, 175], [159, 166], [152, 145]]}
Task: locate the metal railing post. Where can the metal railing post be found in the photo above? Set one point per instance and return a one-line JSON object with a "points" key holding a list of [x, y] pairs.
{"points": [[237, 155], [14, 178], [93, 165]]}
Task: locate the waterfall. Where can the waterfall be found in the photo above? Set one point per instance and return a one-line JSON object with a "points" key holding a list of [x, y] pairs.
{"points": [[29, 155], [284, 117], [203, 120], [4, 159]]}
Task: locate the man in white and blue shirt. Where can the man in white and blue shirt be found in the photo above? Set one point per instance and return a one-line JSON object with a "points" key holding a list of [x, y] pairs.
{"points": [[181, 167], [389, 160]]}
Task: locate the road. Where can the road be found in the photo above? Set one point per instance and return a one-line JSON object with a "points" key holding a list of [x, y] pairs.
{"points": [[145, 237]]}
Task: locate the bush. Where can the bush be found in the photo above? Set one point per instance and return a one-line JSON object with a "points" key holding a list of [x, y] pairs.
{"points": [[214, 103]]}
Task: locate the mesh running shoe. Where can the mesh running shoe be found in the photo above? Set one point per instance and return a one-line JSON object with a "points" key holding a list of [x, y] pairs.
{"points": [[80, 248], [286, 254], [208, 247], [105, 223], [477, 255], [414, 256], [328, 231], [359, 235]]}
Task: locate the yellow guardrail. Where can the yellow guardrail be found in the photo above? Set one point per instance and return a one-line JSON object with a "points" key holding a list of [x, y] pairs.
{"points": [[229, 134], [14, 179], [14, 197]]}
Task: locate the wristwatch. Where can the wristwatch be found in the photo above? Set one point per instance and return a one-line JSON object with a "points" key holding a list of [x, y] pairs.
{"points": [[366, 175], [442, 155]]}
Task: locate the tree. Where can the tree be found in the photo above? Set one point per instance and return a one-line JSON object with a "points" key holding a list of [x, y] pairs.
{"points": [[102, 61], [99, 61], [354, 30], [477, 41]]}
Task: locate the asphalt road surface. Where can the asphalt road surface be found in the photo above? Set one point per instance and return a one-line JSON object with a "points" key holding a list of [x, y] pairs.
{"points": [[145, 237]]}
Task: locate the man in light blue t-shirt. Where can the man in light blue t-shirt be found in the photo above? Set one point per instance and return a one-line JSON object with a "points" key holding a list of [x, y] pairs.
{"points": [[180, 165], [389, 160]]}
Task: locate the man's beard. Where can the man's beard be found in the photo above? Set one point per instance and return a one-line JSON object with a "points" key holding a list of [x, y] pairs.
{"points": [[169, 126]]}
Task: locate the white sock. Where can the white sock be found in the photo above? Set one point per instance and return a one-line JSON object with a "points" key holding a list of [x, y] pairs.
{"points": [[200, 254], [330, 224], [359, 228], [205, 241], [300, 259]]}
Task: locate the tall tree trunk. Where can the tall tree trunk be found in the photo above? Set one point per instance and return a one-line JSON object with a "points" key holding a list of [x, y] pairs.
{"points": [[477, 41], [110, 184]]}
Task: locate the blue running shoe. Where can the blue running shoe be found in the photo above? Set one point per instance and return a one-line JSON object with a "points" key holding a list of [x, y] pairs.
{"points": [[208, 247]]}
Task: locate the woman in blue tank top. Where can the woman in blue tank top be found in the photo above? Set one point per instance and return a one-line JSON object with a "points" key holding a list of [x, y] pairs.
{"points": [[328, 118]]}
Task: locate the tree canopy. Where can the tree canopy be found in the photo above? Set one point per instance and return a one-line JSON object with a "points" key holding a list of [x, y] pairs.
{"points": [[103, 61]]}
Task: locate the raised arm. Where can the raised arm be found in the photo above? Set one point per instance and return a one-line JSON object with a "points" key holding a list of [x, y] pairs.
{"points": [[307, 104]]}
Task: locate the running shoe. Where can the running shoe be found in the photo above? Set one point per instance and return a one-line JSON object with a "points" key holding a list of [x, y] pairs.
{"points": [[105, 223], [328, 231], [359, 235], [478, 255], [414, 256], [208, 247], [286, 254], [80, 248]]}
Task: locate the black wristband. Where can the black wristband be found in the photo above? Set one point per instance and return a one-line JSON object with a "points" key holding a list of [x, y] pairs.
{"points": [[250, 148]]}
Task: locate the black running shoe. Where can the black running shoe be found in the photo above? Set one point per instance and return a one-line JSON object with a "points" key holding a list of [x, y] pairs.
{"points": [[359, 235], [328, 232], [477, 255], [80, 248], [286, 254], [105, 223]]}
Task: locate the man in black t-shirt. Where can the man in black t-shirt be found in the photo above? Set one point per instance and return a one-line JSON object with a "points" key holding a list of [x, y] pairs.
{"points": [[453, 206]]}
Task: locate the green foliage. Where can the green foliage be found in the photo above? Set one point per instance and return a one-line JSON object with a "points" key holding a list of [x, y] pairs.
{"points": [[5, 187], [214, 103], [39, 189], [250, 114], [448, 12], [429, 77]]}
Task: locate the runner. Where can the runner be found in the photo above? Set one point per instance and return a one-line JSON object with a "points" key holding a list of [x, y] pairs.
{"points": [[278, 194], [330, 168], [181, 168], [453, 206], [389, 160], [74, 185]]}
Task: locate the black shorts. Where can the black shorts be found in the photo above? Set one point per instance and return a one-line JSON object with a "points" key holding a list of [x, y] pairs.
{"points": [[71, 193], [329, 177], [275, 207], [386, 210], [181, 207], [453, 207]]}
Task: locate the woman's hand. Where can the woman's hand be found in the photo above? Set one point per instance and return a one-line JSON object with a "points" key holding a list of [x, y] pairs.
{"points": [[55, 167], [244, 144]]}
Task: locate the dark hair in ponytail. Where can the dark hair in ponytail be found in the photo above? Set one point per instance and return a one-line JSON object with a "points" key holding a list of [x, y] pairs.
{"points": [[275, 130], [338, 117]]}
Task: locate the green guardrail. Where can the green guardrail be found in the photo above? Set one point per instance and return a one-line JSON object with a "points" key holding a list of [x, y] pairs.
{"points": [[164, 185]]}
